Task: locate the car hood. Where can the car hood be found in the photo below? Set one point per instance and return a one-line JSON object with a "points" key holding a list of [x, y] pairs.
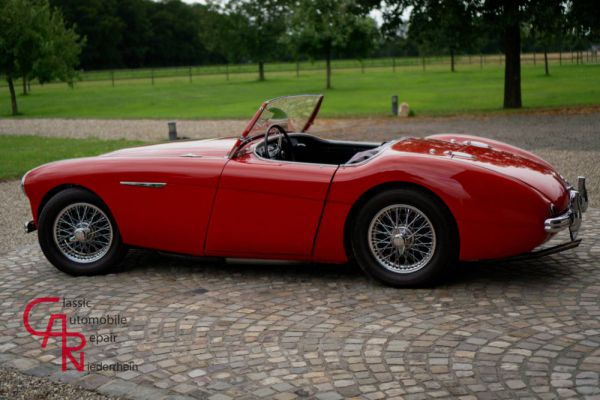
{"points": [[532, 171], [192, 148]]}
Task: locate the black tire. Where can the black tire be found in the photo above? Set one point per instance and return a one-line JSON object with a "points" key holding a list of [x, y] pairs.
{"points": [[48, 215], [444, 251]]}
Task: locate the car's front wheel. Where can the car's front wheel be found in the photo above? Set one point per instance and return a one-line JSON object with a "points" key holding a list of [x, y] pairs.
{"points": [[78, 234], [404, 237]]}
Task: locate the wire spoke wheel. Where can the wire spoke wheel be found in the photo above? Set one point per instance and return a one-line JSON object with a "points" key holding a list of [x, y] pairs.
{"points": [[401, 238], [83, 233]]}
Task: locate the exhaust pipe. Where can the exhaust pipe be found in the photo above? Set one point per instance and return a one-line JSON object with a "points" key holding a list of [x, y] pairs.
{"points": [[30, 227]]}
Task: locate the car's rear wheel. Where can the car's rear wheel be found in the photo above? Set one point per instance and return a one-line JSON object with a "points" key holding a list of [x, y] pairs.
{"points": [[404, 237], [78, 235]]}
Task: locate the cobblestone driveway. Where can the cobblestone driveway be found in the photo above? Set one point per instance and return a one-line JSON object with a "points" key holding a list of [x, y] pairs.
{"points": [[199, 330]]}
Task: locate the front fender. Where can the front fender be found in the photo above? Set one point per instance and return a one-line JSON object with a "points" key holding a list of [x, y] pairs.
{"points": [[172, 217]]}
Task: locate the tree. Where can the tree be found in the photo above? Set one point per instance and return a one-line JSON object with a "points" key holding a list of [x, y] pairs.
{"points": [[584, 16], [263, 29], [175, 35], [547, 22], [584, 22], [99, 22], [34, 42], [504, 18], [220, 34], [508, 16], [443, 25], [324, 27], [137, 41], [59, 52]]}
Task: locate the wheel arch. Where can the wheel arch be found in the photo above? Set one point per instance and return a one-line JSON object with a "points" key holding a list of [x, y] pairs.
{"points": [[59, 188], [382, 187]]}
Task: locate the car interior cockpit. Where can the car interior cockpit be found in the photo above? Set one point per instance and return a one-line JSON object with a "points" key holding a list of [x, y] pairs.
{"points": [[305, 148]]}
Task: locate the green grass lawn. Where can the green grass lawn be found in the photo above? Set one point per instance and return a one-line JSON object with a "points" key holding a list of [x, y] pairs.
{"points": [[435, 91], [18, 154]]}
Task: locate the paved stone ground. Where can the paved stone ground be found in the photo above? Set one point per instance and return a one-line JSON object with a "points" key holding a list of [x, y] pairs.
{"points": [[197, 330]]}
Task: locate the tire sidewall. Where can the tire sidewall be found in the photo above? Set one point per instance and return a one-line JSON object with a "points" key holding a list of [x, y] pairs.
{"points": [[46, 236], [445, 252]]}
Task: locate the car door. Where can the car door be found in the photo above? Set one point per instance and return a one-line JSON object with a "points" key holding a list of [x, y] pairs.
{"points": [[267, 208]]}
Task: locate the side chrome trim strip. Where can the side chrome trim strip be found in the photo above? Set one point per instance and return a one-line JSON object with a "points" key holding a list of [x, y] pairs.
{"points": [[144, 184]]}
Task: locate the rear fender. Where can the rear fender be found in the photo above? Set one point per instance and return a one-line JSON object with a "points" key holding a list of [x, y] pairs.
{"points": [[496, 215], [476, 140]]}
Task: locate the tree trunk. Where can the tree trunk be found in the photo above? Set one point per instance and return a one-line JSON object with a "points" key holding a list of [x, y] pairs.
{"points": [[13, 96], [512, 64], [452, 60], [261, 71], [328, 69], [24, 85], [546, 61]]}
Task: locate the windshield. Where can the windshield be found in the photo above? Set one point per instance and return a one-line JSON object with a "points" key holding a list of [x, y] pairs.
{"points": [[292, 113]]}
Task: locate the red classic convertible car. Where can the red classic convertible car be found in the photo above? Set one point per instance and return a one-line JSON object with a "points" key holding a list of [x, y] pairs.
{"points": [[405, 210]]}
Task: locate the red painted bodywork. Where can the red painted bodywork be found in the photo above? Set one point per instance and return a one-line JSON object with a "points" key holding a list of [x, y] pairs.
{"points": [[247, 206]]}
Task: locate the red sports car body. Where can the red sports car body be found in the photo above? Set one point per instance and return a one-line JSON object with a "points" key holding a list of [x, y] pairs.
{"points": [[278, 193]]}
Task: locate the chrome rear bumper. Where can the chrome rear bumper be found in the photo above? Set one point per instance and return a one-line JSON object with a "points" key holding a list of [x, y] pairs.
{"points": [[572, 217]]}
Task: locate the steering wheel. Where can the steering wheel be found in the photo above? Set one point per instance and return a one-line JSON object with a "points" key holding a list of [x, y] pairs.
{"points": [[277, 152]]}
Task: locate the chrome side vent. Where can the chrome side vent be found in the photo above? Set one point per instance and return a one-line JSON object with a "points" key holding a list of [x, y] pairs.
{"points": [[459, 154], [475, 143], [191, 155], [144, 184]]}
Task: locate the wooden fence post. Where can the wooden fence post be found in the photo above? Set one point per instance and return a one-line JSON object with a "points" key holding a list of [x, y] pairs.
{"points": [[560, 57]]}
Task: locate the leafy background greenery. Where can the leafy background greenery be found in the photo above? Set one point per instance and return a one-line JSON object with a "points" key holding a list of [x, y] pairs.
{"points": [[436, 91]]}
